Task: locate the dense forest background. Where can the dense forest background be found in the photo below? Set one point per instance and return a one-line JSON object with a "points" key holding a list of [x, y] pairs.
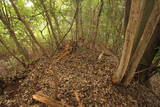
{"points": [[35, 27]]}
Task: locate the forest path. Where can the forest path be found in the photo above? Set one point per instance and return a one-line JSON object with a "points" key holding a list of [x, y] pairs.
{"points": [[81, 72]]}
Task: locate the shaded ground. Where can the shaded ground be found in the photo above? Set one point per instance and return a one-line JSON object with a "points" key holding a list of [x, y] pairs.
{"points": [[80, 72]]}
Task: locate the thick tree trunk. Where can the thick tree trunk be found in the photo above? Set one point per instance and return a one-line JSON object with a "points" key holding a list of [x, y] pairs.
{"points": [[131, 31], [147, 59], [144, 41], [150, 52], [147, 9]]}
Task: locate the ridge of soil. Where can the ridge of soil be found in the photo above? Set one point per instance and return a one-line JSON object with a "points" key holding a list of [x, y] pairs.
{"points": [[81, 72]]}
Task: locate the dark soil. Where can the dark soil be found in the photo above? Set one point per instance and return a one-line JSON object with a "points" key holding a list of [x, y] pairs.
{"points": [[81, 72]]}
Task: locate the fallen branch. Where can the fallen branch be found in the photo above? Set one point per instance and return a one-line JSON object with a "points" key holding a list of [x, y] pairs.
{"points": [[78, 100], [100, 56], [153, 66], [39, 96]]}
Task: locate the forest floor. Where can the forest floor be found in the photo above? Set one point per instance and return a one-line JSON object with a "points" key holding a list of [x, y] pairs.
{"points": [[80, 73]]}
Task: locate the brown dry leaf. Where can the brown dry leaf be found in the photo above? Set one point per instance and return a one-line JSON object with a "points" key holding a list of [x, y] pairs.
{"points": [[90, 77]]}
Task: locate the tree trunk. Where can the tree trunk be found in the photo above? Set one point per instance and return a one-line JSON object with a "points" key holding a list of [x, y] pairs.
{"points": [[147, 9], [131, 31], [98, 20], [81, 21], [53, 12], [150, 52], [144, 41], [7, 48], [147, 59], [27, 26], [91, 23], [32, 44], [13, 36], [126, 13], [78, 19], [49, 20]]}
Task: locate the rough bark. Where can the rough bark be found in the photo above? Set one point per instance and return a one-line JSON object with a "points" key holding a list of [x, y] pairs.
{"points": [[131, 31], [147, 59], [150, 52], [91, 13], [147, 9], [144, 41]]}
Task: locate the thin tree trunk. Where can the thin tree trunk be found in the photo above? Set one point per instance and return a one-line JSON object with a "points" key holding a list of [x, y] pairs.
{"points": [[50, 22], [126, 13], [50, 39], [91, 24], [81, 21], [151, 50], [13, 36], [53, 10], [27, 26], [7, 48], [77, 19], [32, 44], [97, 22]]}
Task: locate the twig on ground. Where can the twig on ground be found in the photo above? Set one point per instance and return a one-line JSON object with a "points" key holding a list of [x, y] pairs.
{"points": [[39, 96], [78, 100]]}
